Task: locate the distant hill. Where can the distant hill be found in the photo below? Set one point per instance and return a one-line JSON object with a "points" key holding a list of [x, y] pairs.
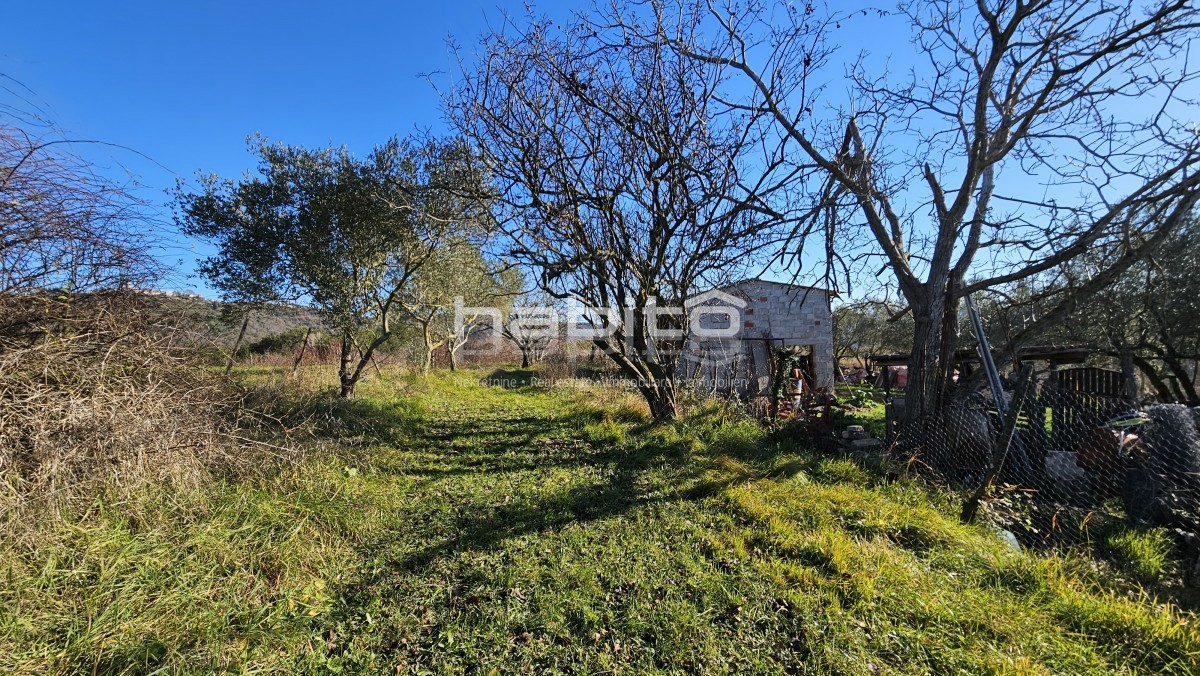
{"points": [[205, 320]]}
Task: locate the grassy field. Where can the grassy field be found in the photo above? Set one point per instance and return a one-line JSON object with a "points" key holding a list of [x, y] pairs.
{"points": [[444, 526]]}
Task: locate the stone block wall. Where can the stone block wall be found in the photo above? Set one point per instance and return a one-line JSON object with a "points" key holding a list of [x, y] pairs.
{"points": [[791, 314]]}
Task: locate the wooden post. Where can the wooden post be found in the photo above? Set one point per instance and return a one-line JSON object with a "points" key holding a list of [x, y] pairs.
{"points": [[1129, 376], [1000, 450]]}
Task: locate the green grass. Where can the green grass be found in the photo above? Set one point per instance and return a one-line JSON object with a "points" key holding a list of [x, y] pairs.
{"points": [[863, 405], [448, 527], [1144, 555]]}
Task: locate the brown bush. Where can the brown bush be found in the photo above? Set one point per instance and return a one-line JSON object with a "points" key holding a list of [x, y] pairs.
{"points": [[92, 398]]}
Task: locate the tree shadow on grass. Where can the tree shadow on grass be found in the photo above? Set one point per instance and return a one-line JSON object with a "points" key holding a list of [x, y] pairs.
{"points": [[519, 444], [630, 478], [511, 378], [533, 442], [617, 493]]}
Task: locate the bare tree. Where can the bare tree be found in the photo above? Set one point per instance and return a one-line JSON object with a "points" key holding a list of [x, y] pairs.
{"points": [[621, 178], [64, 227], [1028, 133], [69, 239]]}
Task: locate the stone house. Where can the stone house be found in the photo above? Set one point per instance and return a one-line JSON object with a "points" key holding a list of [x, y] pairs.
{"points": [[752, 317]]}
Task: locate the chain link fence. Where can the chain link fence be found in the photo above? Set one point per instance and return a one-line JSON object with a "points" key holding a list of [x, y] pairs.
{"points": [[1077, 466]]}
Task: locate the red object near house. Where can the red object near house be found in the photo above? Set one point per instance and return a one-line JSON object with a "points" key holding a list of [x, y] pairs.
{"points": [[893, 377]]}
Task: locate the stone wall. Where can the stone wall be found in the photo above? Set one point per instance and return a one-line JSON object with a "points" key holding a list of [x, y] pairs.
{"points": [[797, 315], [790, 314]]}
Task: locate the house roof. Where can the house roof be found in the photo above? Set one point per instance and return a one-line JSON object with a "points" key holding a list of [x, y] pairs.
{"points": [[786, 285]]}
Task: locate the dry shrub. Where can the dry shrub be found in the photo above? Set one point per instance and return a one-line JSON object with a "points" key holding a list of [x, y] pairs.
{"points": [[94, 395], [557, 370], [95, 399]]}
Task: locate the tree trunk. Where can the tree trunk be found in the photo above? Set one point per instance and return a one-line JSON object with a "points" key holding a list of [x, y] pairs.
{"points": [[1173, 381], [1187, 389], [924, 363], [452, 350], [1128, 377], [655, 380], [524, 357], [660, 396], [345, 371], [931, 362], [237, 344], [300, 354], [1164, 391], [428, 363]]}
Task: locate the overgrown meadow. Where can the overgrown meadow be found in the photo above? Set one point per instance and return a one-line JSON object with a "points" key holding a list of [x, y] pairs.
{"points": [[442, 525]]}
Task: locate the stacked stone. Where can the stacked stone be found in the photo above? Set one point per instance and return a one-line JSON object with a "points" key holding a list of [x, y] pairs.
{"points": [[795, 315]]}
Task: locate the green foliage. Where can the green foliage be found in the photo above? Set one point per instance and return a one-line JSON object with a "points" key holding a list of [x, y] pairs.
{"points": [[1153, 311], [863, 406], [786, 359], [326, 225], [289, 341], [456, 270], [347, 234], [204, 580], [870, 327], [280, 343], [862, 395]]}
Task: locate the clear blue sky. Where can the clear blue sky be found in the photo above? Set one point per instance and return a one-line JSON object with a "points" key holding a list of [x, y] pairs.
{"points": [[186, 83]]}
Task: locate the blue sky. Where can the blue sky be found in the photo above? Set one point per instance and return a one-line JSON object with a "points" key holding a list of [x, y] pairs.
{"points": [[182, 85], [186, 83]]}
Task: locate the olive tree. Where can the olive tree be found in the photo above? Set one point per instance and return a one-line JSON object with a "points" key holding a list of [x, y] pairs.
{"points": [[343, 233], [870, 327], [1149, 319], [459, 274]]}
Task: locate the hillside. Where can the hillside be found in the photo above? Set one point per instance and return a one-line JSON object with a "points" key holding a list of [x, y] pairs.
{"points": [[444, 526], [202, 319]]}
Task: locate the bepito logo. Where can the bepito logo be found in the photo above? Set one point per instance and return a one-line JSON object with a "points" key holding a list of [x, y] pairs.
{"points": [[705, 320], [716, 330]]}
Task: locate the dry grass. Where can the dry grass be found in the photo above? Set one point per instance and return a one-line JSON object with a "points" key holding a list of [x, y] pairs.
{"points": [[96, 402]]}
